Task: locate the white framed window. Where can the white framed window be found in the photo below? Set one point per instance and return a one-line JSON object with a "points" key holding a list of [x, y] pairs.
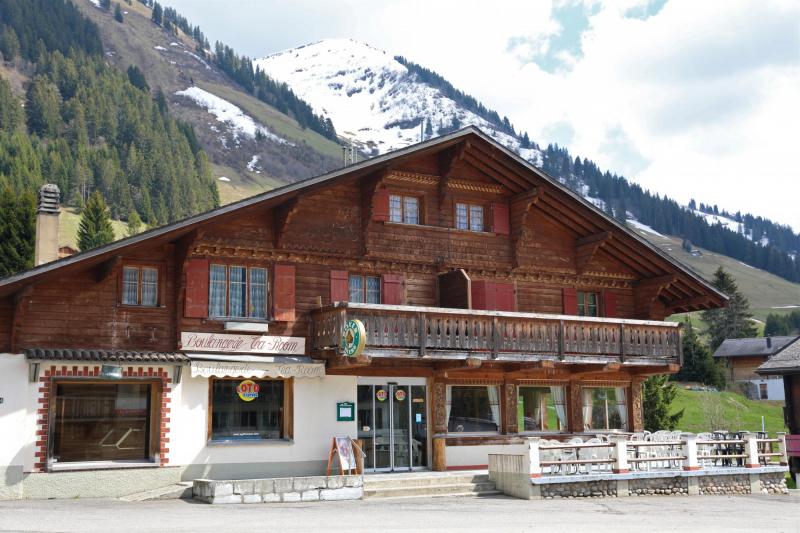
{"points": [[541, 408], [605, 408], [469, 217], [237, 291], [404, 209]]}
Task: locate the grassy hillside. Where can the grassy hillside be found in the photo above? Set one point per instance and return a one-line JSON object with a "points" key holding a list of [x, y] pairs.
{"points": [[70, 219], [706, 411], [767, 293], [170, 64]]}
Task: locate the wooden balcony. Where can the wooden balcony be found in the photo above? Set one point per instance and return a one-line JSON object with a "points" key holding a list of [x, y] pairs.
{"points": [[400, 331]]}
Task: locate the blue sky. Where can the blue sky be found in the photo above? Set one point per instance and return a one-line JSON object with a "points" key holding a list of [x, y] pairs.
{"points": [[693, 99]]}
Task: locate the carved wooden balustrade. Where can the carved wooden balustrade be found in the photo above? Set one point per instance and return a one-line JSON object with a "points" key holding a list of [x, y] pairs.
{"points": [[434, 332]]}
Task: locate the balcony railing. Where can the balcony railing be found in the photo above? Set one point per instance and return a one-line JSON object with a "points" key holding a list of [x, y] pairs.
{"points": [[436, 332]]}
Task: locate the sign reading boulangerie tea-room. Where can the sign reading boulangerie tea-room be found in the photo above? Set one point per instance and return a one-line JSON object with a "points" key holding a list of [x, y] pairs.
{"points": [[231, 343]]}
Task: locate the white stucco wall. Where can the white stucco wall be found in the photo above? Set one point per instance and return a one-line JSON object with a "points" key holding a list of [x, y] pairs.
{"points": [[775, 389], [314, 425], [17, 423], [478, 455]]}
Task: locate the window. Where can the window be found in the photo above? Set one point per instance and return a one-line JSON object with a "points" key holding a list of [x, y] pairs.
{"points": [[140, 286], [473, 409], [541, 409], [250, 409], [587, 304], [102, 422], [403, 209], [762, 391], [364, 289], [605, 408], [469, 217], [237, 292]]}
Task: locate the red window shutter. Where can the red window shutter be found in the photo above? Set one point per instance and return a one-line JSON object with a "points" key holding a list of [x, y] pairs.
{"points": [[380, 205], [340, 290], [392, 289], [283, 297], [500, 223], [609, 304], [196, 301], [504, 297], [570, 297], [484, 295]]}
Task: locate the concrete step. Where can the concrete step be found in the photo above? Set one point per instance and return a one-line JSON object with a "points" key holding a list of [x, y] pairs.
{"points": [[424, 490], [181, 490], [402, 480]]}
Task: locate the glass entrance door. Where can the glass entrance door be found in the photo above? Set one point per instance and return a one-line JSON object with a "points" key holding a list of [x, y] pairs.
{"points": [[392, 425]]}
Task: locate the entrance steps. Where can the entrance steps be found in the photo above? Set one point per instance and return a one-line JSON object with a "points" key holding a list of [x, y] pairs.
{"points": [[181, 490], [428, 484]]}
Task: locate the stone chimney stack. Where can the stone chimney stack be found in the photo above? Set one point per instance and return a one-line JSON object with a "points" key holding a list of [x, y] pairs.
{"points": [[47, 224]]}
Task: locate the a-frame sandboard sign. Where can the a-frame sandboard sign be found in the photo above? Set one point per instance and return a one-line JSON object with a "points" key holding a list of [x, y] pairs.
{"points": [[345, 449]]}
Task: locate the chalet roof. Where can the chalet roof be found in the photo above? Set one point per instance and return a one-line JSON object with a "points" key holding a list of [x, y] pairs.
{"points": [[104, 356], [786, 361], [751, 347], [688, 290]]}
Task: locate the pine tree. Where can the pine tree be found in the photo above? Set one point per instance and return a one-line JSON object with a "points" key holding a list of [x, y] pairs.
{"points": [[428, 129], [657, 397], [134, 224], [17, 231], [158, 14], [95, 228], [105, 4], [44, 116], [10, 109], [118, 13], [733, 321], [698, 362], [9, 43]]}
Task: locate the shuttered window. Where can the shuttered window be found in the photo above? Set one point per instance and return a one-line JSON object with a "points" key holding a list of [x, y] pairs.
{"points": [[237, 292], [469, 217], [587, 304], [404, 209], [364, 289]]}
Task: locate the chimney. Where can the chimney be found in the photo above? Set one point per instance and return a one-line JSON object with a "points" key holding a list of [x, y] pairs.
{"points": [[47, 224], [769, 342]]}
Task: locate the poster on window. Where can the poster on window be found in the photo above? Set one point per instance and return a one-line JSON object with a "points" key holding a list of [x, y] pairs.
{"points": [[232, 343]]}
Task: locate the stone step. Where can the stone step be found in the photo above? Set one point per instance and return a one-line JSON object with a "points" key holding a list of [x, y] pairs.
{"points": [[452, 489], [181, 490], [400, 480]]}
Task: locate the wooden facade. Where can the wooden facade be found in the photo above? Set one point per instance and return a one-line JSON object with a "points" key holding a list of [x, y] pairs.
{"points": [[496, 305]]}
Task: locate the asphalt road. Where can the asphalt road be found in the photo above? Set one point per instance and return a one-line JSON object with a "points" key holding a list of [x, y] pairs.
{"points": [[647, 514]]}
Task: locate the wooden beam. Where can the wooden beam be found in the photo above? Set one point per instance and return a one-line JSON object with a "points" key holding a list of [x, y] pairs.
{"points": [[587, 247], [369, 185], [521, 205], [688, 302], [106, 268], [282, 217], [505, 179], [661, 281], [646, 294], [501, 161], [448, 158], [341, 363]]}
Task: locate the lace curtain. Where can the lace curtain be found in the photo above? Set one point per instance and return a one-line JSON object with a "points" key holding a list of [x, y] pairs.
{"points": [[560, 399]]}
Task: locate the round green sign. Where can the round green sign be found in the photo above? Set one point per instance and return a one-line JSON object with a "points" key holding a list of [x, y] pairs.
{"points": [[354, 338]]}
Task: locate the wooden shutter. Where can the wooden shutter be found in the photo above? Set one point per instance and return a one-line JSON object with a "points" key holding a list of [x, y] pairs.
{"points": [[196, 301], [500, 223], [570, 297], [380, 205], [283, 295], [609, 304], [504, 297], [484, 295], [392, 289], [340, 289]]}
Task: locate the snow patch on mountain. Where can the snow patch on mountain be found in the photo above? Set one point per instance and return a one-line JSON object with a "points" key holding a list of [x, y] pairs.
{"points": [[372, 98], [237, 121]]}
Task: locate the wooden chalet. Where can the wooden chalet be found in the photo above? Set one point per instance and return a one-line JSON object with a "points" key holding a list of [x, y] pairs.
{"points": [[496, 303]]}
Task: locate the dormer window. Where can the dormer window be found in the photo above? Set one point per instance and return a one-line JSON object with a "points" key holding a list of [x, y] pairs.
{"points": [[403, 209], [469, 217]]}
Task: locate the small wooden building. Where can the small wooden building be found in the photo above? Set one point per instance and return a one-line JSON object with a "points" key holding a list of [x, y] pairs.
{"points": [[496, 303], [744, 356]]}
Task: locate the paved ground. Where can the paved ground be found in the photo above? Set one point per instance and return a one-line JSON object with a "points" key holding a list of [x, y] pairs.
{"points": [[497, 514]]}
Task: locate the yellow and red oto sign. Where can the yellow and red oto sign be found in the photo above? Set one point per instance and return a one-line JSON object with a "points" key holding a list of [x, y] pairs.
{"points": [[247, 390]]}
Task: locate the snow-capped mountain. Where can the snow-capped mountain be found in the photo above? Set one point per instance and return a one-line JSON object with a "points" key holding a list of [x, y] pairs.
{"points": [[373, 99]]}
